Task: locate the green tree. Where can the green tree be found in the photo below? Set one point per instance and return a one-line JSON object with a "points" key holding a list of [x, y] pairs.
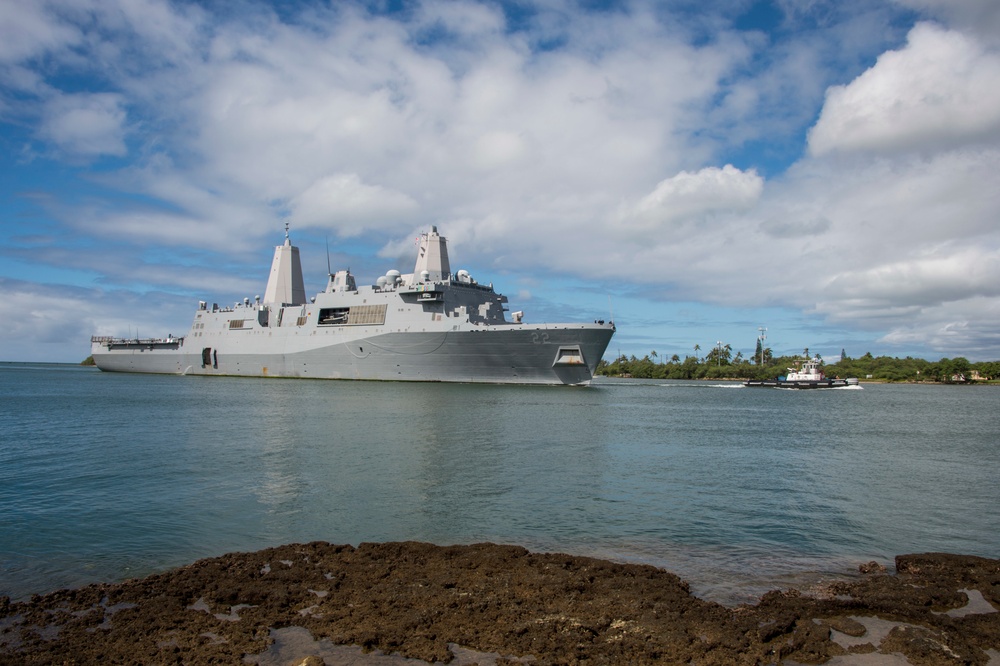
{"points": [[719, 363]]}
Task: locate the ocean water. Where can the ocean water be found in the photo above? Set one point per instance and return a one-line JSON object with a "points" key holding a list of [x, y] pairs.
{"points": [[111, 476]]}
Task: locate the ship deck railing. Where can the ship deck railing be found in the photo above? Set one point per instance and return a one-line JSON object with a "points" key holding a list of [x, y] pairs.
{"points": [[107, 339]]}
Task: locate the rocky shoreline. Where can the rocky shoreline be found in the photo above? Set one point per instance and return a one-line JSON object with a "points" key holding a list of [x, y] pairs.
{"points": [[493, 604]]}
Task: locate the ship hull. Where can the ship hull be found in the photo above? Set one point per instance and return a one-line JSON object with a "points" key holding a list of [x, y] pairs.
{"points": [[431, 325], [552, 354]]}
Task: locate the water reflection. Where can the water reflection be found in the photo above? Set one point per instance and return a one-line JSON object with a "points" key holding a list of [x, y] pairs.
{"points": [[106, 476]]}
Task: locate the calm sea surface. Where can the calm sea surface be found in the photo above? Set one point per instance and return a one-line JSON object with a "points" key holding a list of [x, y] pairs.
{"points": [[111, 476]]}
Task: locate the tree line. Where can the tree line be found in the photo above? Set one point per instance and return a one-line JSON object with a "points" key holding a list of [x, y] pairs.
{"points": [[720, 363]]}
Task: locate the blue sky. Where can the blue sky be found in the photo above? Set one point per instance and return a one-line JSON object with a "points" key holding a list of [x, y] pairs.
{"points": [[826, 169]]}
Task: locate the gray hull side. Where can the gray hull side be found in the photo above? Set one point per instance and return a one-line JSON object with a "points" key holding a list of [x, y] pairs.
{"points": [[515, 356]]}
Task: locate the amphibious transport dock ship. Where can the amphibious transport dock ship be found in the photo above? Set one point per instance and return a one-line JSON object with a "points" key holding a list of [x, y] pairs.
{"points": [[430, 325]]}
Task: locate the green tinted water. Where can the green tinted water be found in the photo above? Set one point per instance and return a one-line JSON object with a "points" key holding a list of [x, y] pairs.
{"points": [[108, 476]]}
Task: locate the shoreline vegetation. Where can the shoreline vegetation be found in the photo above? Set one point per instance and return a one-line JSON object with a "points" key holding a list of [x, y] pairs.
{"points": [[719, 364], [392, 603]]}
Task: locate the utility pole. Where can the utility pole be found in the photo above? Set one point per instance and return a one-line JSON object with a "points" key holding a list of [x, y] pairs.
{"points": [[761, 330]]}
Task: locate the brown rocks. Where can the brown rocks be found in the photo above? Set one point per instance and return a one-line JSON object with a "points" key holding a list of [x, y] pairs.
{"points": [[871, 567], [495, 604]]}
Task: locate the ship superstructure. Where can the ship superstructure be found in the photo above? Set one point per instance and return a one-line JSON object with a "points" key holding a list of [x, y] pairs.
{"points": [[429, 325]]}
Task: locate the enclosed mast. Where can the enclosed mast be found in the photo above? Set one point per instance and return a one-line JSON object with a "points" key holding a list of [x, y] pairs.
{"points": [[285, 285]]}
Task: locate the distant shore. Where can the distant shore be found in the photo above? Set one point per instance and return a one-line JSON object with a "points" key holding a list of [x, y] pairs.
{"points": [[487, 603], [915, 382]]}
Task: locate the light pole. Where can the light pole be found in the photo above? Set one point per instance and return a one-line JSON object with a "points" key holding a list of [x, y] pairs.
{"points": [[761, 337], [718, 349]]}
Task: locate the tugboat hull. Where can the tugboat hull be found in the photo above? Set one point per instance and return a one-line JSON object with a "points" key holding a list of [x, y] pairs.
{"points": [[809, 376], [802, 384]]}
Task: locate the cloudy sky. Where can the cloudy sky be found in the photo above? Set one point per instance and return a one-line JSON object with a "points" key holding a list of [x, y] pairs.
{"points": [[827, 169]]}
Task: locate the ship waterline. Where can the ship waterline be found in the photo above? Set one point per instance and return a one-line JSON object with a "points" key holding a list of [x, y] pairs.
{"points": [[430, 325]]}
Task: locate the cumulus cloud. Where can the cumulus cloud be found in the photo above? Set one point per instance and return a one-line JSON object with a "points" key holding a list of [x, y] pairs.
{"points": [[344, 197], [980, 17], [34, 313], [927, 281], [46, 323], [86, 124], [795, 228], [497, 148], [473, 128], [689, 197], [942, 88], [28, 30], [631, 148], [467, 21], [880, 241], [950, 330]]}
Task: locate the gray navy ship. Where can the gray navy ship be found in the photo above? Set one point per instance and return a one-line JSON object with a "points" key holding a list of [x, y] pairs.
{"points": [[430, 325]]}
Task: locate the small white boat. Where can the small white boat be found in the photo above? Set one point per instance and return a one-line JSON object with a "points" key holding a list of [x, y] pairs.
{"points": [[809, 376]]}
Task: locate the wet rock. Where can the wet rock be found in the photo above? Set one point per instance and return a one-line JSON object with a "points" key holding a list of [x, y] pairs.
{"points": [[419, 601], [846, 625], [312, 660], [872, 567], [925, 647]]}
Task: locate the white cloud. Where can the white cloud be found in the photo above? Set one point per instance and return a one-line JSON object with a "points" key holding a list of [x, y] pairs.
{"points": [[86, 124], [689, 197], [39, 314], [950, 330], [586, 144], [925, 281], [795, 228], [979, 17], [497, 149], [50, 323], [494, 133], [29, 29], [344, 200], [469, 21], [943, 88]]}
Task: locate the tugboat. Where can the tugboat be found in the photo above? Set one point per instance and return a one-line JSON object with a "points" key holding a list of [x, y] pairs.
{"points": [[809, 376]]}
